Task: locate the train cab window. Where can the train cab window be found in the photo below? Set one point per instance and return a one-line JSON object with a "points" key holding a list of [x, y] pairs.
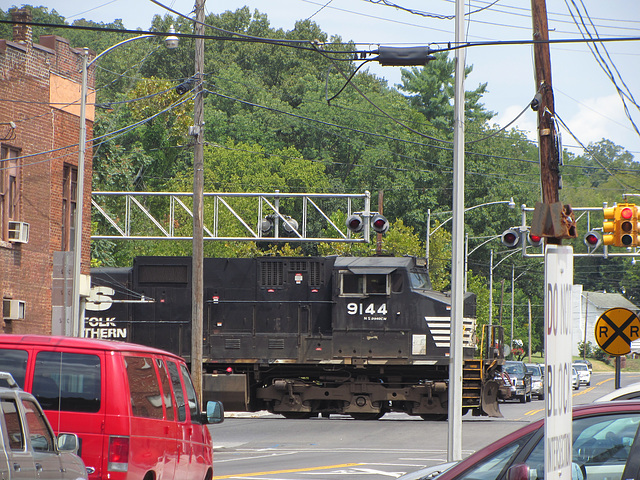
{"points": [[370, 284], [397, 282], [419, 281], [352, 284]]}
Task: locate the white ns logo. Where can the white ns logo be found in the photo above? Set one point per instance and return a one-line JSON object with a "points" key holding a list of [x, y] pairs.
{"points": [[99, 298]]}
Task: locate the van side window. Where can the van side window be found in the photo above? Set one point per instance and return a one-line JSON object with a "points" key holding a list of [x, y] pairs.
{"points": [[166, 388], [191, 395], [40, 436], [67, 381], [146, 400], [178, 391], [14, 424], [14, 362]]}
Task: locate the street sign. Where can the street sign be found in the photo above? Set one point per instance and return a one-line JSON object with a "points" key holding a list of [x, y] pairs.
{"points": [[616, 329], [558, 279]]}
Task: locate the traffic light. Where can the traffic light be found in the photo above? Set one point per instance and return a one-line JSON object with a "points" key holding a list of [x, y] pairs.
{"points": [[355, 223], [628, 225], [534, 240], [621, 225], [510, 238], [592, 239], [379, 224]]}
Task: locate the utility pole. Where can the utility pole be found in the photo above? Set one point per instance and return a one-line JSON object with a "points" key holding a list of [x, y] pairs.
{"points": [[197, 292], [549, 168], [551, 219]]}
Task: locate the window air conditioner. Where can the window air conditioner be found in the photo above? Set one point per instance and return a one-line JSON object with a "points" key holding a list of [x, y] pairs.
{"points": [[18, 232], [13, 309]]}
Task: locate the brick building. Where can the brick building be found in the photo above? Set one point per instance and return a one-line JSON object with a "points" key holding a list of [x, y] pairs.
{"points": [[39, 132]]}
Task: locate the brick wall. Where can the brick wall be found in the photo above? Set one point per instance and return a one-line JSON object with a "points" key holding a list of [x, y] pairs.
{"points": [[25, 72]]}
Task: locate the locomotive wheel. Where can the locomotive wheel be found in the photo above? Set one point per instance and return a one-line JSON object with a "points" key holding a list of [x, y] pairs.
{"points": [[296, 415], [434, 417], [366, 416]]}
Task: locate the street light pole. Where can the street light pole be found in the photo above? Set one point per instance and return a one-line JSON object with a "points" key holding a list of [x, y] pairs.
{"points": [[77, 312], [454, 447]]}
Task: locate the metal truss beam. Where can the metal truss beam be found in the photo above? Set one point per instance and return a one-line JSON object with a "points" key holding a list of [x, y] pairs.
{"points": [[228, 216]]}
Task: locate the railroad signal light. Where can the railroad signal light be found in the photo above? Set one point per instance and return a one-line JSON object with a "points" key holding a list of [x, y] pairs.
{"points": [[510, 238], [265, 225], [355, 223], [534, 240], [290, 224], [379, 223], [592, 239]]}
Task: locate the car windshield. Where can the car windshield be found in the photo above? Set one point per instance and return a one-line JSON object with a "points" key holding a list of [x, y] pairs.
{"points": [[515, 368], [580, 366], [534, 369]]}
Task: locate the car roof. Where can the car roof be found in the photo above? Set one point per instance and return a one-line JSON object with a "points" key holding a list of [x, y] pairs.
{"points": [[78, 343], [621, 392]]}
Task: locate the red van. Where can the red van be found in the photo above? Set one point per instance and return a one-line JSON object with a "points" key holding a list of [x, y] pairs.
{"points": [[134, 408]]}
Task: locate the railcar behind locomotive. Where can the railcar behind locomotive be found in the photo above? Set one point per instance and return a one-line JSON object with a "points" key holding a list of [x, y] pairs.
{"points": [[303, 336]]}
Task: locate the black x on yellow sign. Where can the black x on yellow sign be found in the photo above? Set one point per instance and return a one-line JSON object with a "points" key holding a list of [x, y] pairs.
{"points": [[616, 329]]}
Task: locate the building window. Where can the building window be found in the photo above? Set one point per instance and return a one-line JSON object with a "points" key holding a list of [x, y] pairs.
{"points": [[69, 198], [9, 189]]}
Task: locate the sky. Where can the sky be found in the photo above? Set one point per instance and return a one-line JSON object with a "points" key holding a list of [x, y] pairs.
{"points": [[586, 100]]}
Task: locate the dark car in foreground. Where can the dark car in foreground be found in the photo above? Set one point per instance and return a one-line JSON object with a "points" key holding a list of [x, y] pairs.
{"points": [[606, 445]]}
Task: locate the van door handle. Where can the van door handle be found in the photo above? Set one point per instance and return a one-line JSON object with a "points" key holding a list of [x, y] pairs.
{"points": [[38, 467], [16, 467]]}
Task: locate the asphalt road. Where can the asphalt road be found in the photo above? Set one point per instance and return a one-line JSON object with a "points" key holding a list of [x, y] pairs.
{"points": [[261, 446]]}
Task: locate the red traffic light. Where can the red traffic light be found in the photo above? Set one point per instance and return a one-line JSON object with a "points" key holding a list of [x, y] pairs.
{"points": [[626, 213], [510, 238], [592, 239], [379, 224], [355, 223], [534, 240]]}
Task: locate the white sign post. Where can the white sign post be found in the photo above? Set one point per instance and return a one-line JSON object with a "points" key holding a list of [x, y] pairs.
{"points": [[558, 282]]}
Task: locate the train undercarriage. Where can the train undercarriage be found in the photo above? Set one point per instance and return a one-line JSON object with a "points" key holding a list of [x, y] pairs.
{"points": [[363, 393]]}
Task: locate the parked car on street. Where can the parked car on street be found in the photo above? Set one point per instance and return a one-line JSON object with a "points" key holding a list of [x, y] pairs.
{"points": [[606, 445], [630, 392], [520, 378], [584, 375], [30, 450], [537, 379], [133, 407]]}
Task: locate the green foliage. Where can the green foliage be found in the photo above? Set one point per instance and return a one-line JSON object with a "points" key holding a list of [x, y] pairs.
{"points": [[272, 123]]}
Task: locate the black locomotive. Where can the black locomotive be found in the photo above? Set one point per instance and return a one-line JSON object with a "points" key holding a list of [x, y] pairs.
{"points": [[307, 335]]}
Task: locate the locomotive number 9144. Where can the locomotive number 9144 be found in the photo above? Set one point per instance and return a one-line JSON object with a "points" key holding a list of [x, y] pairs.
{"points": [[370, 311]]}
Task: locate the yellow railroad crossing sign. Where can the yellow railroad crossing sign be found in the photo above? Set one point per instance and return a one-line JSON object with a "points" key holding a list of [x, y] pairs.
{"points": [[616, 329]]}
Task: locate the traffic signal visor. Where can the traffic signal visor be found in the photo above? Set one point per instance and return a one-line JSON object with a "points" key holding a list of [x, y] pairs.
{"points": [[510, 238], [379, 223]]}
